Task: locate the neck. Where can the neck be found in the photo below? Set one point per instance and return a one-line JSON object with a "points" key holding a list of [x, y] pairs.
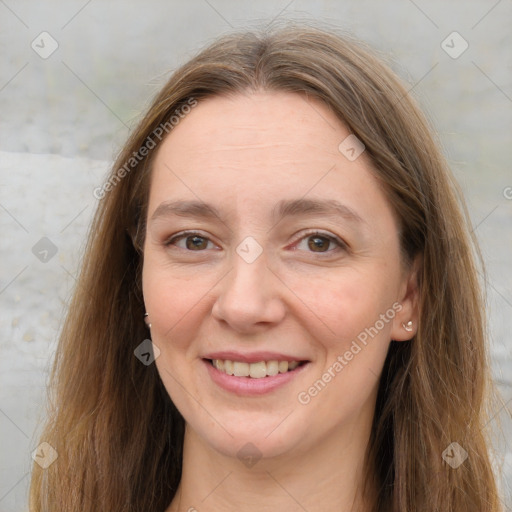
{"points": [[327, 478]]}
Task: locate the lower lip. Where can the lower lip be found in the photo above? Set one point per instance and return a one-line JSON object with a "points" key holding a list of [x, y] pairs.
{"points": [[247, 386]]}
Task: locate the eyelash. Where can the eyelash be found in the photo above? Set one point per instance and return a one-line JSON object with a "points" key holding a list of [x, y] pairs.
{"points": [[341, 245]]}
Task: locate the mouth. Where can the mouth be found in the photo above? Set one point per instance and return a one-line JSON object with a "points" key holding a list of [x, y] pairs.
{"points": [[256, 370], [255, 373]]}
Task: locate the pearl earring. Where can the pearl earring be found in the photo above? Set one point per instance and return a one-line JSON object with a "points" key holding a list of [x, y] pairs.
{"points": [[146, 320], [407, 326]]}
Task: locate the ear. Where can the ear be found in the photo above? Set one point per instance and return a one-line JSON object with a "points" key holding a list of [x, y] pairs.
{"points": [[409, 300]]}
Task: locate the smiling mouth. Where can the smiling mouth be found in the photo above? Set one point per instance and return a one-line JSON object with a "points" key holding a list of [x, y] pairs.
{"points": [[257, 370]]}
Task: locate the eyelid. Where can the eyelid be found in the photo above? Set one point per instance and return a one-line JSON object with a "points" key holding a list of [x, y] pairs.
{"points": [[333, 238], [184, 234]]}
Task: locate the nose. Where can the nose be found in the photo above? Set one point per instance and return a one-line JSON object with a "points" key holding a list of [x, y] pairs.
{"points": [[250, 296]]}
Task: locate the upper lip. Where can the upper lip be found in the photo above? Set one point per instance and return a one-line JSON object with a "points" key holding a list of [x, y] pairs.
{"points": [[253, 357]]}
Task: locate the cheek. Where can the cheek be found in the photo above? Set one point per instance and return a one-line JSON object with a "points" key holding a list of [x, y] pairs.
{"points": [[344, 306], [174, 304], [354, 346]]}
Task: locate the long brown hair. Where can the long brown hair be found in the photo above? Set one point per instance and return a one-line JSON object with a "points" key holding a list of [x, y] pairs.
{"points": [[116, 431]]}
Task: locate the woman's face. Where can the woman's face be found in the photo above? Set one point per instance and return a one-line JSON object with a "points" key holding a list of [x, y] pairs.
{"points": [[268, 242]]}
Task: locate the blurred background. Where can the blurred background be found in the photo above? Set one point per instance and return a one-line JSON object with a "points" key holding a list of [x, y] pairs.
{"points": [[76, 76]]}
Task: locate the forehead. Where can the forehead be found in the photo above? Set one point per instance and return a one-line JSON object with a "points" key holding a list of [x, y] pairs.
{"points": [[250, 151], [255, 121]]}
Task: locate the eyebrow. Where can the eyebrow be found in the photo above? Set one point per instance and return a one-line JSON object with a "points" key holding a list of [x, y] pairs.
{"points": [[284, 208]]}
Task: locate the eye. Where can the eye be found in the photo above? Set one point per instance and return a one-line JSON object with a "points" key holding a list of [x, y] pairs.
{"points": [[194, 241], [318, 242]]}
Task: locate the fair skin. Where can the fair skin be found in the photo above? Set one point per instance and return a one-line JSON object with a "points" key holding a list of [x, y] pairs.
{"points": [[303, 296]]}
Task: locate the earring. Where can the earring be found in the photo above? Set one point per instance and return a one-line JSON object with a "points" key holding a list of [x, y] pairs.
{"points": [[407, 326], [146, 320]]}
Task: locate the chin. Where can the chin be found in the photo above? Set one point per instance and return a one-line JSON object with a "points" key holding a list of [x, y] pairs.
{"points": [[252, 440]]}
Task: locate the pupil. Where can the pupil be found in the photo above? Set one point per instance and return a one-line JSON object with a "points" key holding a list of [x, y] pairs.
{"points": [[318, 243], [315, 242], [197, 241]]}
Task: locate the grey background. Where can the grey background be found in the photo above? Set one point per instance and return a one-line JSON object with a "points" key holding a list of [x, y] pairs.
{"points": [[63, 119]]}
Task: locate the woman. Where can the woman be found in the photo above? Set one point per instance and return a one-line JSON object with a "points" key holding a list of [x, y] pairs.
{"points": [[283, 227]]}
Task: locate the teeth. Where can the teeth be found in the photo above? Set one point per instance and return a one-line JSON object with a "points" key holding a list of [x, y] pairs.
{"points": [[228, 366], [272, 368], [258, 370], [241, 369], [254, 370]]}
